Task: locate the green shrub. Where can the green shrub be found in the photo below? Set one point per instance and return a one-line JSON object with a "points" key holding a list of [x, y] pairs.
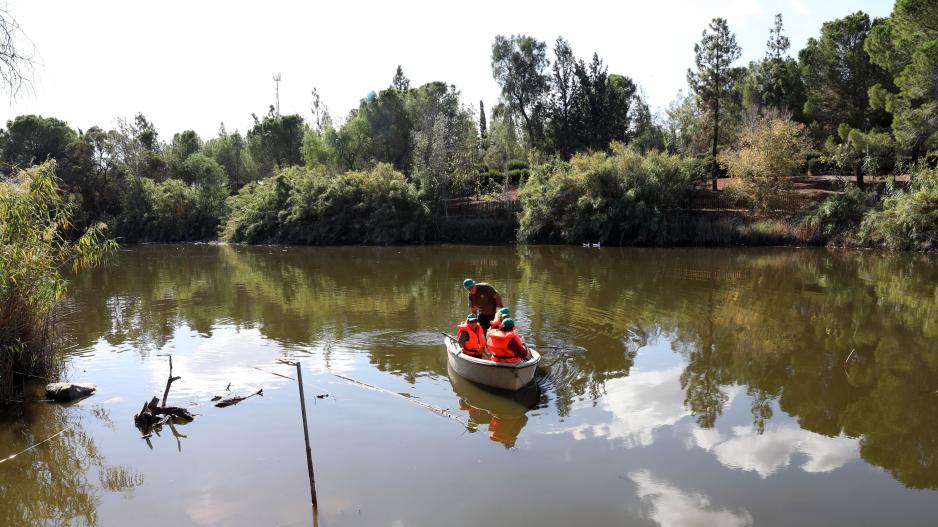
{"points": [[840, 215], [36, 243], [618, 198], [907, 219], [311, 206]]}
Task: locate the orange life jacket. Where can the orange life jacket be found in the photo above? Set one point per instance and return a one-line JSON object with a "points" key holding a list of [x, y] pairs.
{"points": [[473, 346], [497, 343]]}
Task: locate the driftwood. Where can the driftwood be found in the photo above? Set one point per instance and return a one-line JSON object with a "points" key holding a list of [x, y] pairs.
{"points": [[153, 415], [235, 399]]}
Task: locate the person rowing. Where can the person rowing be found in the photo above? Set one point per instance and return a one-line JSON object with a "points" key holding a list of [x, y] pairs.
{"points": [[484, 301], [471, 336]]}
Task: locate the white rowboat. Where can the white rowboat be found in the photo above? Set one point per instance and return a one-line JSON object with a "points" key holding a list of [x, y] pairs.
{"points": [[502, 375]]}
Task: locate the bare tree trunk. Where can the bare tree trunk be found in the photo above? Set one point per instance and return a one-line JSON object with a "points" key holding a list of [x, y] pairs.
{"points": [[716, 134]]}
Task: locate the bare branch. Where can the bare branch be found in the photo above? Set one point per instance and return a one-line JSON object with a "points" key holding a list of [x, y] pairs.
{"points": [[17, 56]]}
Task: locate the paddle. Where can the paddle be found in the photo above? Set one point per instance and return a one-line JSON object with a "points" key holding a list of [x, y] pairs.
{"points": [[447, 335]]}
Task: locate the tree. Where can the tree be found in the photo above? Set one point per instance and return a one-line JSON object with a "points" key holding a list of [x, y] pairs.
{"points": [[518, 65], [646, 134], [400, 82], [860, 152], [321, 117], [32, 139], [230, 151], [443, 138], [906, 45], [275, 141], [564, 90], [483, 128], [838, 74], [16, 54], [775, 82], [714, 81], [184, 145], [778, 44]]}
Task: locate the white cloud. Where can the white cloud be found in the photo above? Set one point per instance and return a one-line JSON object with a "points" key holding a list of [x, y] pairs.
{"points": [[637, 406], [771, 451], [672, 507]]}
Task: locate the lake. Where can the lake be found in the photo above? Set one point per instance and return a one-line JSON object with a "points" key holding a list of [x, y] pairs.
{"points": [[722, 387]]}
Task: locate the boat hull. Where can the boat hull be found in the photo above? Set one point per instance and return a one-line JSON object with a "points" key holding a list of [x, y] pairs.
{"points": [[504, 376]]}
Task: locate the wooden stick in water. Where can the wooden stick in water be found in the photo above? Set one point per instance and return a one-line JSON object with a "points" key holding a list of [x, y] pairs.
{"points": [[169, 381], [309, 453]]}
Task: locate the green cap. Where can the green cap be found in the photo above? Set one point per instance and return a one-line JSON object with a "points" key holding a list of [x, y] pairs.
{"points": [[468, 282], [508, 324], [471, 317], [504, 312]]}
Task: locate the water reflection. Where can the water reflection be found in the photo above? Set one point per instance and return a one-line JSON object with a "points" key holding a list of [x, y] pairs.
{"points": [[60, 481], [770, 450], [770, 328], [503, 413], [672, 507]]}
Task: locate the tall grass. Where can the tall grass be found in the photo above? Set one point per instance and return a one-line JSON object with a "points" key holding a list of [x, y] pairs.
{"points": [[37, 243]]}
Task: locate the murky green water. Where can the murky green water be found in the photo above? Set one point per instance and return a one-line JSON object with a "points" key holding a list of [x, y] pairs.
{"points": [[715, 389]]}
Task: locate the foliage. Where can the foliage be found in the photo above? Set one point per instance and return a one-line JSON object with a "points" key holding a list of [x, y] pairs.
{"points": [[839, 216], [838, 74], [906, 45], [908, 220], [714, 81], [275, 140], [775, 82], [770, 152], [32, 139], [518, 65], [609, 198], [230, 151], [37, 243], [861, 153], [311, 206]]}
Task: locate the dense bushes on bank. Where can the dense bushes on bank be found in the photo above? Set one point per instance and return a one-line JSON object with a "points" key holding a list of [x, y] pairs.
{"points": [[618, 198], [312, 206], [36, 242], [896, 219]]}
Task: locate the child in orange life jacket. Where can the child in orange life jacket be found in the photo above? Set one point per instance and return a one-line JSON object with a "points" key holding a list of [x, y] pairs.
{"points": [[502, 314], [471, 337], [504, 344]]}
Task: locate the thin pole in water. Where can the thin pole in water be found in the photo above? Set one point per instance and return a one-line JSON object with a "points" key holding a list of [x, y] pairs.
{"points": [[309, 453]]}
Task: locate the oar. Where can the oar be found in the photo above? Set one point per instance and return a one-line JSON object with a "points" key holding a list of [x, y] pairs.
{"points": [[447, 335]]}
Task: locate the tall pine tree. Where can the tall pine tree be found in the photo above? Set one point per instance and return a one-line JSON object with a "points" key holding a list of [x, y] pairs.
{"points": [[714, 80]]}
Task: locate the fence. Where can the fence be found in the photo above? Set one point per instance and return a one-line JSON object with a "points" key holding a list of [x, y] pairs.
{"points": [[469, 207]]}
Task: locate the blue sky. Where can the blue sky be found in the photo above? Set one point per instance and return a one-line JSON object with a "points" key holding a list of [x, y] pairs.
{"points": [[193, 64]]}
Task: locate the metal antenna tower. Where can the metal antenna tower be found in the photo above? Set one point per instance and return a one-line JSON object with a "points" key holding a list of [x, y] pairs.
{"points": [[277, 80]]}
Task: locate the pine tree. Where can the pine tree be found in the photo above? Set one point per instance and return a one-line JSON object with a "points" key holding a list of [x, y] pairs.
{"points": [[778, 44], [400, 82], [713, 82], [483, 127]]}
